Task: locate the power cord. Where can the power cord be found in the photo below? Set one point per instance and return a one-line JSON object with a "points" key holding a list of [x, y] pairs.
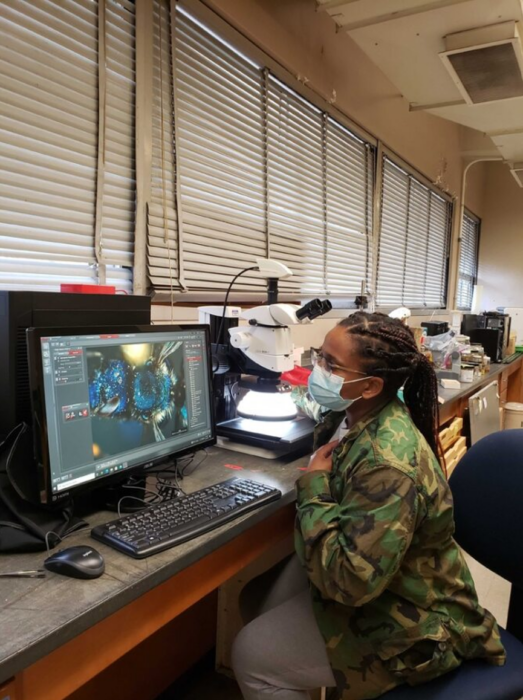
{"points": [[156, 498], [220, 330], [168, 477], [184, 472]]}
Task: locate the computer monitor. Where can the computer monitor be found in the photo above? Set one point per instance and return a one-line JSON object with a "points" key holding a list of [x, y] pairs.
{"points": [[107, 401]]}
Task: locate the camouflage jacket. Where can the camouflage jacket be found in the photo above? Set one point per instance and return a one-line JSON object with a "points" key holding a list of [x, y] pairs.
{"points": [[376, 539]]}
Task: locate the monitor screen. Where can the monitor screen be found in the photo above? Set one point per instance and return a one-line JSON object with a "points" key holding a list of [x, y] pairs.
{"points": [[114, 401]]}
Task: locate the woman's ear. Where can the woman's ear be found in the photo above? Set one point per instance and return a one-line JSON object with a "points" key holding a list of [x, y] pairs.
{"points": [[373, 387]]}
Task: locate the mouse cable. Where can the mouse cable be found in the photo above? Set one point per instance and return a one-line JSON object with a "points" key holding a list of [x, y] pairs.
{"points": [[60, 538]]}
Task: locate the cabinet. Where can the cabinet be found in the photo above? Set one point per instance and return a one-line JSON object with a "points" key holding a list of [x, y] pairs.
{"points": [[503, 387], [7, 691]]}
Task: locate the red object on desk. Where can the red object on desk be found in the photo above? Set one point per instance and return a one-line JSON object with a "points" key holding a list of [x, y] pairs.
{"points": [[87, 289], [299, 376]]}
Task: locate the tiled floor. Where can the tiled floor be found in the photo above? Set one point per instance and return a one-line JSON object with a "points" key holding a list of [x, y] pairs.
{"points": [[204, 684]]}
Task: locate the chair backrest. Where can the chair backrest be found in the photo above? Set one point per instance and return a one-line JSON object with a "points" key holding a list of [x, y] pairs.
{"points": [[487, 486]]}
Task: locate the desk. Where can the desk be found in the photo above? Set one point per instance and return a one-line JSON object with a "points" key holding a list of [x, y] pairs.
{"points": [[57, 634]]}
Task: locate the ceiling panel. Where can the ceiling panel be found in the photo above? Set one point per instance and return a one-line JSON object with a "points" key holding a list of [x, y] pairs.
{"points": [[407, 49], [506, 115], [510, 146]]}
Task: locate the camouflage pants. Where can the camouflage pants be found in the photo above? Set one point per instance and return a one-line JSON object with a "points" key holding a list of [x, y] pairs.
{"points": [[280, 654]]}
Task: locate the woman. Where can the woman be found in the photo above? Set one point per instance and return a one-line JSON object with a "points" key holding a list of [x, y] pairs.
{"points": [[388, 597]]}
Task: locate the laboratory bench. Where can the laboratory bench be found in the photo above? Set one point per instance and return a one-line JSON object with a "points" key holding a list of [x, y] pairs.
{"points": [[58, 633], [133, 631]]}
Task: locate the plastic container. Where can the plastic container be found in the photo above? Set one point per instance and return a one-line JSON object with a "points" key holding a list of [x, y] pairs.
{"points": [[513, 415], [467, 374]]}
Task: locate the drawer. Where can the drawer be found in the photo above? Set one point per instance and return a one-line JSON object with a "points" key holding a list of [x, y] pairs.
{"points": [[445, 439], [461, 445], [451, 466], [449, 435], [450, 455], [456, 427]]}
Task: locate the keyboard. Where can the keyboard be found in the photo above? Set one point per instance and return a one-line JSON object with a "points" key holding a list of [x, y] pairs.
{"points": [[172, 522], [510, 358]]}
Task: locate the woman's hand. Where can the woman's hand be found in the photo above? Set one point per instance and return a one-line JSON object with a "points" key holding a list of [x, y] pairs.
{"points": [[321, 460]]}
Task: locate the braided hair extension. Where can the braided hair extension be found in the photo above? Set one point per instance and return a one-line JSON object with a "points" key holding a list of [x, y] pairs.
{"points": [[388, 350]]}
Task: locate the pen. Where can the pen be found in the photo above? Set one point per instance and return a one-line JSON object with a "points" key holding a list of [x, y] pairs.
{"points": [[37, 573]]}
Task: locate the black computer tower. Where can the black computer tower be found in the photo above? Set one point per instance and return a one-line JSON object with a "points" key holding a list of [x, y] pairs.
{"points": [[22, 310], [501, 322], [492, 341], [472, 322]]}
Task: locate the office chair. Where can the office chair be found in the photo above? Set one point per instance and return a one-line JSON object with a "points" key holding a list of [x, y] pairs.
{"points": [[487, 486]]}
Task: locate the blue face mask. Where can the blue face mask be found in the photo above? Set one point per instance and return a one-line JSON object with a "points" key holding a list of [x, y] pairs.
{"points": [[325, 390]]}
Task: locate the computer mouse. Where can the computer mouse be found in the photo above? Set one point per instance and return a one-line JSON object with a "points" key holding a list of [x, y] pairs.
{"points": [[77, 562]]}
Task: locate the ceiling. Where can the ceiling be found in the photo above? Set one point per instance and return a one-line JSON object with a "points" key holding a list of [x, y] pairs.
{"points": [[405, 38]]}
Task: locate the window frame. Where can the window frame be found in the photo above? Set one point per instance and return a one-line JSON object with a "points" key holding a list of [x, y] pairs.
{"points": [[478, 221]]}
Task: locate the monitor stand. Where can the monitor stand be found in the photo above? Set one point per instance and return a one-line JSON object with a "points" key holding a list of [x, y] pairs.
{"points": [[130, 493]]}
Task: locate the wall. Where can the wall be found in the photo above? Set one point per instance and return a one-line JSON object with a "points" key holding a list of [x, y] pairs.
{"points": [[476, 188], [501, 244]]}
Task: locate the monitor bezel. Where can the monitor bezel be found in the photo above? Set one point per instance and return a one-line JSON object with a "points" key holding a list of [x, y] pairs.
{"points": [[39, 414]]}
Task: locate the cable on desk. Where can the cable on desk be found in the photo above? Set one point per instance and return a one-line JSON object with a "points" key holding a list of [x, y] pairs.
{"points": [[166, 476], [131, 498], [60, 538], [184, 471]]}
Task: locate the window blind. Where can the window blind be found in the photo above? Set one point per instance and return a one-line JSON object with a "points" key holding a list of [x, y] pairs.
{"points": [[49, 125], [296, 188], [261, 171], [349, 186], [221, 158], [119, 161], [468, 261], [162, 218], [320, 181], [413, 241]]}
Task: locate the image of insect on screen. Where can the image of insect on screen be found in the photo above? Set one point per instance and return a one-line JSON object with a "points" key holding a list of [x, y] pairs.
{"points": [[137, 395]]}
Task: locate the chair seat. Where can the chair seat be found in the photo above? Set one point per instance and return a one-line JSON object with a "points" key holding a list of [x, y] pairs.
{"points": [[474, 679]]}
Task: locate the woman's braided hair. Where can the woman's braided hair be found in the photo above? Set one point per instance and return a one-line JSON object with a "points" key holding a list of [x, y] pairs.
{"points": [[388, 350]]}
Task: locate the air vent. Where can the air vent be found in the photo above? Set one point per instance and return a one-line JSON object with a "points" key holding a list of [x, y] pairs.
{"points": [[517, 171], [487, 63], [23, 395]]}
